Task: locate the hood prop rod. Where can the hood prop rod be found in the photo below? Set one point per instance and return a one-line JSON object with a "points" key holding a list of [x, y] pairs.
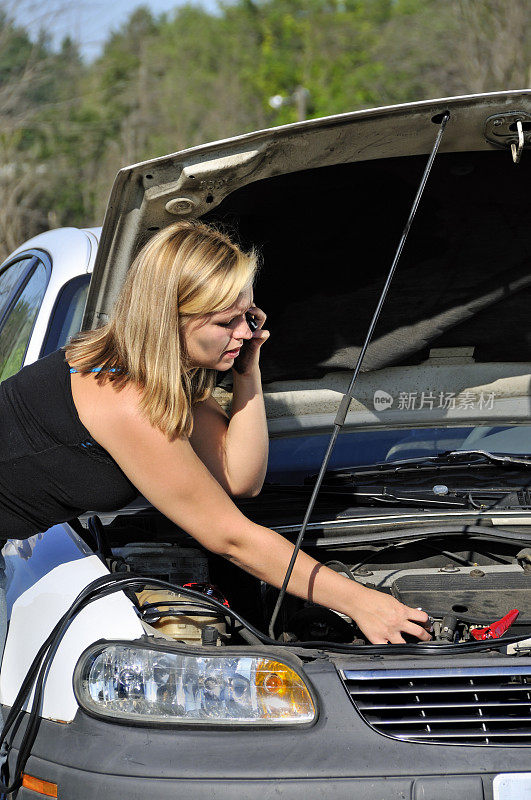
{"points": [[347, 397]]}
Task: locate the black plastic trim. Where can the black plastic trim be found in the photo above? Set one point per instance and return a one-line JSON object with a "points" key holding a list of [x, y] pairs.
{"points": [[70, 286]]}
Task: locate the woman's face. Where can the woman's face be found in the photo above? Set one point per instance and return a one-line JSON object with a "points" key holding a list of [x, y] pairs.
{"points": [[213, 341]]}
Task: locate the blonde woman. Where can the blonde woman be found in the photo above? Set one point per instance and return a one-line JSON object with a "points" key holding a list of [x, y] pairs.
{"points": [[128, 408]]}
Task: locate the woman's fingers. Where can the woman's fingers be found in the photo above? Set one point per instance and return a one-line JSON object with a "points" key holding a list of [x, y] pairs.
{"points": [[384, 619], [250, 352], [260, 335], [422, 630], [395, 638], [416, 630], [417, 614], [259, 316]]}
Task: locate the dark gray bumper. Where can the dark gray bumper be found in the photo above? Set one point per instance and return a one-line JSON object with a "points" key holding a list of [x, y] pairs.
{"points": [[87, 786], [339, 757]]}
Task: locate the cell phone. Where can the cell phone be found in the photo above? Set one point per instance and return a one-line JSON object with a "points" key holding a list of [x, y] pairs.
{"points": [[251, 322]]}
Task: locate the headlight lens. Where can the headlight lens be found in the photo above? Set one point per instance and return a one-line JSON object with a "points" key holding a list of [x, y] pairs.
{"points": [[129, 682]]}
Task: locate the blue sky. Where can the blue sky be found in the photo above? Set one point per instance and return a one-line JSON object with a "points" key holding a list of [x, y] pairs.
{"points": [[89, 22]]}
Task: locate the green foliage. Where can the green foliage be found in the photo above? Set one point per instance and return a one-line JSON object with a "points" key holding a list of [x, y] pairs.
{"points": [[165, 83], [15, 51]]}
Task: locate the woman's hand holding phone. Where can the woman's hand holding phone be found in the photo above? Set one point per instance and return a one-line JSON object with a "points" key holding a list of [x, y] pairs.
{"points": [[249, 356]]}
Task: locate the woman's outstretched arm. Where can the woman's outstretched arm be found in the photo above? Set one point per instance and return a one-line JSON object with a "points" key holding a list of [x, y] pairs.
{"points": [[173, 478]]}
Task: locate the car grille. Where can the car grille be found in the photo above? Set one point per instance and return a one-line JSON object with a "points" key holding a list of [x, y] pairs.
{"points": [[479, 705]]}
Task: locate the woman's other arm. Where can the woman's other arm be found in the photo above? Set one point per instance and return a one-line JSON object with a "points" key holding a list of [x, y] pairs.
{"points": [[235, 450]]}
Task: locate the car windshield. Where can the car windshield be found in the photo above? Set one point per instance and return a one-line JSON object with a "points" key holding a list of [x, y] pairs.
{"points": [[293, 458]]}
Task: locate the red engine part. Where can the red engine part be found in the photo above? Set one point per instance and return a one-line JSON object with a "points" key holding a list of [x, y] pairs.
{"points": [[207, 589], [496, 629]]}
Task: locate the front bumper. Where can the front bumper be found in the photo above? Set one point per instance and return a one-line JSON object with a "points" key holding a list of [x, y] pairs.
{"points": [[339, 756], [94, 786]]}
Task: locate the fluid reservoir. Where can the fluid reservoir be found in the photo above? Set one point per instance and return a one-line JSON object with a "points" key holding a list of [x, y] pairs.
{"points": [[187, 619]]}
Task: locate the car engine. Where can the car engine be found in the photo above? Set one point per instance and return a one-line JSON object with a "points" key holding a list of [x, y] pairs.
{"points": [[464, 584]]}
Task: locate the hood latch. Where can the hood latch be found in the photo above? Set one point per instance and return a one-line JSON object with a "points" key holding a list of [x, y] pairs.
{"points": [[510, 129]]}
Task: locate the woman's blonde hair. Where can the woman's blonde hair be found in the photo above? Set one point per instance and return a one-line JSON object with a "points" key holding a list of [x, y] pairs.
{"points": [[187, 269]]}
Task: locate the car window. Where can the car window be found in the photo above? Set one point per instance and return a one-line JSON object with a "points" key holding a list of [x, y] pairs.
{"points": [[18, 324], [9, 279], [67, 315]]}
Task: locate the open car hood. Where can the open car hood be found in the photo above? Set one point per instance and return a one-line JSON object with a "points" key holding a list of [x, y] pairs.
{"points": [[326, 200]]}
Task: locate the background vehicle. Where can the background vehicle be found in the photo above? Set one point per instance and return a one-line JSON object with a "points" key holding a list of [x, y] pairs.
{"points": [[427, 497], [43, 291]]}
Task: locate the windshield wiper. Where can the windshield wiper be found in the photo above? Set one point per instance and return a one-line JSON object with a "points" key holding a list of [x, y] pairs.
{"points": [[404, 495], [450, 459], [375, 495]]}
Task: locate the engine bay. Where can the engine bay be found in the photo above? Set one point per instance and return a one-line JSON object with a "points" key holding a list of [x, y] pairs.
{"points": [[464, 582]]}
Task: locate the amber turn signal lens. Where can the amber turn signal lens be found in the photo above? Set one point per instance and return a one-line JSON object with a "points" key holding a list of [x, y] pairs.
{"points": [[41, 787], [281, 692]]}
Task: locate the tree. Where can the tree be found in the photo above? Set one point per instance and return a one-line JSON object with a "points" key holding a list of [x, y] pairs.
{"points": [[20, 71], [496, 43], [33, 81], [165, 83], [440, 48]]}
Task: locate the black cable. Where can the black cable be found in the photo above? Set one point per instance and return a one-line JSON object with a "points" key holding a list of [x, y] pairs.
{"points": [[103, 549], [15, 715], [416, 649], [347, 397], [476, 505], [152, 615], [99, 588], [376, 553], [343, 567], [501, 560], [448, 554]]}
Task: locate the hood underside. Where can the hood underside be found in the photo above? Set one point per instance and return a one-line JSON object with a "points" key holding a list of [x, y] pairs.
{"points": [[326, 201]]}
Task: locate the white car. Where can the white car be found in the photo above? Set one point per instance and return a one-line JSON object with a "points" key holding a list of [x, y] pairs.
{"points": [[43, 291], [169, 692]]}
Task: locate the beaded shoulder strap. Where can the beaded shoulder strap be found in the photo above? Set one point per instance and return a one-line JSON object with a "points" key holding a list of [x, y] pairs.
{"points": [[96, 369]]}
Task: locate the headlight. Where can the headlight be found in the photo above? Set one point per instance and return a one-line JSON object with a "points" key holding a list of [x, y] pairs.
{"points": [[137, 683]]}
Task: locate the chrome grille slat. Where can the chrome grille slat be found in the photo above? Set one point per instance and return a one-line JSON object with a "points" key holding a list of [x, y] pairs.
{"points": [[451, 719], [463, 738], [430, 706], [437, 690], [477, 705]]}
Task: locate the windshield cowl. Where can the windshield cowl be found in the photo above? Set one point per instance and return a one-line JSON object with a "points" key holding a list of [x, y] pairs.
{"points": [[454, 459]]}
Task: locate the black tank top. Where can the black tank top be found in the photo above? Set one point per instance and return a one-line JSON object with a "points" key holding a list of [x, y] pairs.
{"points": [[51, 470]]}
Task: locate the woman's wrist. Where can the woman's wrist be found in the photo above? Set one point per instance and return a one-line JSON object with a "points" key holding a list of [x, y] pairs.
{"points": [[251, 374], [247, 388], [352, 598]]}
